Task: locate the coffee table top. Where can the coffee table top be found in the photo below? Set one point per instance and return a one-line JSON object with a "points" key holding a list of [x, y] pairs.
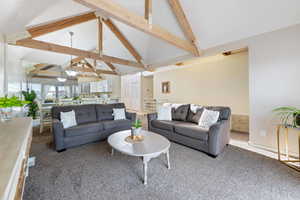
{"points": [[152, 144]]}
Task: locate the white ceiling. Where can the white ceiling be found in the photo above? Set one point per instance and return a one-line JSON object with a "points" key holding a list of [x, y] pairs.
{"points": [[214, 23]]}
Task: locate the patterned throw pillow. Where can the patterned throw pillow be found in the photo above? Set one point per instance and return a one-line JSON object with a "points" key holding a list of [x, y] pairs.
{"points": [[195, 113], [180, 112], [119, 113], [164, 113], [68, 119], [208, 118]]}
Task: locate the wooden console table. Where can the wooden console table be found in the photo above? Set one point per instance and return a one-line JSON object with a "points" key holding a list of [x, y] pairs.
{"points": [[287, 161], [15, 142]]}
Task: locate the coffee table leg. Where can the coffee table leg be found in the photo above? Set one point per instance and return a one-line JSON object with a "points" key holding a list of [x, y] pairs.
{"points": [[112, 151], [168, 159], [145, 167]]}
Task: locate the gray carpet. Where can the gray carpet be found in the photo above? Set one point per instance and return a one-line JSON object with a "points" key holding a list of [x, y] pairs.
{"points": [[89, 172]]}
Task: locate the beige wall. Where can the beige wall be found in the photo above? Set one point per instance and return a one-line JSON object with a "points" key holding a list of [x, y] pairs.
{"points": [[217, 80], [147, 87]]}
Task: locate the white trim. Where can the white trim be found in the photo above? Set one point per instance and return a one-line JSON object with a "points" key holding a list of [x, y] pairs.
{"points": [[273, 150], [13, 38]]}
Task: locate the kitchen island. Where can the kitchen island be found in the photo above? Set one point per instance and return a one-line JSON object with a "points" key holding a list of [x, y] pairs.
{"points": [[15, 142]]}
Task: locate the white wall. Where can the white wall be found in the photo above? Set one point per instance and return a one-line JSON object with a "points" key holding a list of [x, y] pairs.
{"points": [[274, 81], [15, 71], [2, 60], [131, 91], [217, 80], [12, 72]]}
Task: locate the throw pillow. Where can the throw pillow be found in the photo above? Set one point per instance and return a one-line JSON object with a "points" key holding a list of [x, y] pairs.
{"points": [[119, 113], [195, 113], [179, 112], [164, 113], [68, 119], [208, 118], [194, 108]]}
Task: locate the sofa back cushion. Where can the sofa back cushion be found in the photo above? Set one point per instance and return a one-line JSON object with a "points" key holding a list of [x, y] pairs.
{"points": [[83, 113], [105, 111], [225, 113], [180, 113]]}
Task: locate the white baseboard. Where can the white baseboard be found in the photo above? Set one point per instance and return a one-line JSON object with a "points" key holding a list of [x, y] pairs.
{"points": [[272, 150]]}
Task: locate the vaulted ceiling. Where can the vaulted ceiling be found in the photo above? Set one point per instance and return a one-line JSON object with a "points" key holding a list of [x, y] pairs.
{"points": [[213, 22]]}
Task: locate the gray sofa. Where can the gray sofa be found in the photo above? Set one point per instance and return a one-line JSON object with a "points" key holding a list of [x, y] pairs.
{"points": [[184, 129], [95, 123]]}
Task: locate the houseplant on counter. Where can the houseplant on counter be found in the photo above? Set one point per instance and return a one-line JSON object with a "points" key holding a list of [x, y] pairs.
{"points": [[6, 105], [288, 115], [33, 106]]}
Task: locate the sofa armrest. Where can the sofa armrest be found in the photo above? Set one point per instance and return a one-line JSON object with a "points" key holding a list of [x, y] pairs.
{"points": [[58, 134], [218, 137], [150, 117], [131, 116]]}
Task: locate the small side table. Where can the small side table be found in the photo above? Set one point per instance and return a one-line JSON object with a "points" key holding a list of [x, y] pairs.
{"points": [[289, 162]]}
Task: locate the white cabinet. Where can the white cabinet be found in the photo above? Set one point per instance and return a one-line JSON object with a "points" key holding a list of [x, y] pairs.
{"points": [[101, 86]]}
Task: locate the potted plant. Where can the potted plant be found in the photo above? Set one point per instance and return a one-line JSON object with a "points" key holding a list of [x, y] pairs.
{"points": [[6, 105], [288, 115], [33, 106], [136, 128]]}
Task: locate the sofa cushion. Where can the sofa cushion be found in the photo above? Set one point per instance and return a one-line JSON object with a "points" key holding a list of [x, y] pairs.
{"points": [[85, 114], [163, 124], [116, 124], [180, 113], [225, 112], [105, 111], [83, 129], [191, 130]]}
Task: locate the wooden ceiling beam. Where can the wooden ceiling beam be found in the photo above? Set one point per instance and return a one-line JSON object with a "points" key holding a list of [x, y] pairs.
{"points": [[46, 73], [123, 39], [100, 36], [40, 66], [148, 11], [80, 69], [35, 44], [49, 27], [51, 77], [111, 66], [77, 59], [111, 9], [183, 22], [100, 71]]}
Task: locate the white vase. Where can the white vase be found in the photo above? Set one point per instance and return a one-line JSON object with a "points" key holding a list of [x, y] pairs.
{"points": [[35, 122], [6, 114], [135, 131]]}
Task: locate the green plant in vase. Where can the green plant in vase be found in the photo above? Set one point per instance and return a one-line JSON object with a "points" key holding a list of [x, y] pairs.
{"points": [[136, 127], [33, 106], [288, 115], [6, 104]]}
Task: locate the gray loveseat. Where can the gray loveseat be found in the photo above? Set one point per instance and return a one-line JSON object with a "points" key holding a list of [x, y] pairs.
{"points": [[95, 123], [184, 129]]}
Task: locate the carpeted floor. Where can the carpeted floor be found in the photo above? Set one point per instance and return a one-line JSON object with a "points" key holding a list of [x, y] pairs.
{"points": [[89, 172]]}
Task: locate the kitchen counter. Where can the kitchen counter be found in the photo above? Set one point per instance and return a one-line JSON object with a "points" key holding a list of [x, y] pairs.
{"points": [[15, 142]]}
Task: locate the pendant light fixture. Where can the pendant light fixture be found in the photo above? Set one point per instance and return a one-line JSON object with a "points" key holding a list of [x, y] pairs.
{"points": [[71, 72]]}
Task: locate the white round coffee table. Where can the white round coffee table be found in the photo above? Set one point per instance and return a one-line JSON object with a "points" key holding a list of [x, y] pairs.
{"points": [[152, 146]]}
